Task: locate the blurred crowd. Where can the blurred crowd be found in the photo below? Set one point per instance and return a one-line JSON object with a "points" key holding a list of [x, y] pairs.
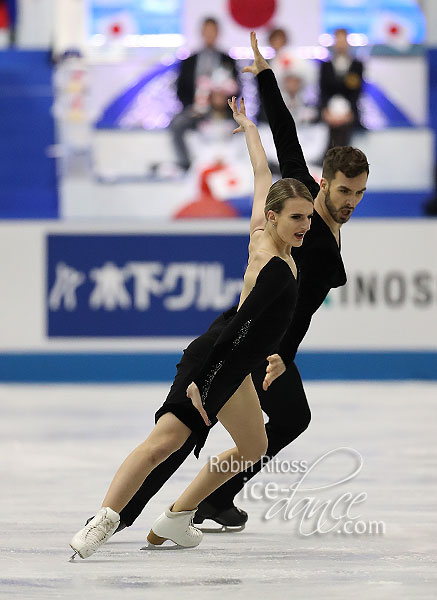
{"points": [[209, 76]]}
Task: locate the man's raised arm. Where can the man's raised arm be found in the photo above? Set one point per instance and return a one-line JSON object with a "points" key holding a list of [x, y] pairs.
{"points": [[290, 156]]}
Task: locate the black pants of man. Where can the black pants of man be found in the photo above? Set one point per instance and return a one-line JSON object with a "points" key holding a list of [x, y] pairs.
{"points": [[289, 415]]}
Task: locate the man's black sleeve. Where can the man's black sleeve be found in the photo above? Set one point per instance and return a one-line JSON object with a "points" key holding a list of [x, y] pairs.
{"points": [[290, 156]]}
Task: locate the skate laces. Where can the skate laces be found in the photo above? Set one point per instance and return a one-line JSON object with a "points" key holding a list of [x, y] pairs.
{"points": [[98, 532], [192, 529]]}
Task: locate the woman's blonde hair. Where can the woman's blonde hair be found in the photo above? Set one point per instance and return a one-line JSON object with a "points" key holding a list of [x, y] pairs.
{"points": [[285, 189]]}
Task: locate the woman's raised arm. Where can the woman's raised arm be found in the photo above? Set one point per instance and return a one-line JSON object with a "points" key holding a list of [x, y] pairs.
{"points": [[261, 171]]}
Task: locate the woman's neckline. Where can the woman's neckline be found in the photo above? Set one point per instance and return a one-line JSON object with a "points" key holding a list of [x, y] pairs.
{"points": [[284, 261]]}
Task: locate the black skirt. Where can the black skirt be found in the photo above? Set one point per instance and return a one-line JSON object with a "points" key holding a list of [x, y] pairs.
{"points": [[192, 360]]}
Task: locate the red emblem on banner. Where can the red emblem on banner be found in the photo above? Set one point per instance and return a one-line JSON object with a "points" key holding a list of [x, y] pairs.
{"points": [[252, 13], [116, 29]]}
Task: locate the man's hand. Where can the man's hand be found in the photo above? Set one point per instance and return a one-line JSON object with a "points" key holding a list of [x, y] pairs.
{"points": [[275, 368], [259, 62], [194, 394]]}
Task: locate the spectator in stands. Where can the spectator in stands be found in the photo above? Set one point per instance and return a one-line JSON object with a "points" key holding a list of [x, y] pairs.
{"points": [[278, 40], [200, 74], [297, 81], [293, 75], [341, 81]]}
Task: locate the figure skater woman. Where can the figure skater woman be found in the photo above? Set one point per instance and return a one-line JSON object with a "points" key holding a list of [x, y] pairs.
{"points": [[221, 388]]}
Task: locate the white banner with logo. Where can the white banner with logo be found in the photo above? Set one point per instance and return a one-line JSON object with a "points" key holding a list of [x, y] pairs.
{"points": [[389, 302]]}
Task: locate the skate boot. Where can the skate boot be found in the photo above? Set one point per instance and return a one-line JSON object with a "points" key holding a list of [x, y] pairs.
{"points": [[120, 527], [174, 526], [231, 519], [96, 533]]}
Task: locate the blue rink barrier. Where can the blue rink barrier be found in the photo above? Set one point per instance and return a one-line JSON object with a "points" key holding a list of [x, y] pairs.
{"points": [[155, 368]]}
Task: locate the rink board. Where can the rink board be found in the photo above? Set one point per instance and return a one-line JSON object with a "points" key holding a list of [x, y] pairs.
{"points": [[94, 302]]}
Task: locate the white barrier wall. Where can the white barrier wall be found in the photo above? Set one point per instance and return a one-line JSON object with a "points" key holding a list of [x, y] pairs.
{"points": [[389, 303], [390, 300]]}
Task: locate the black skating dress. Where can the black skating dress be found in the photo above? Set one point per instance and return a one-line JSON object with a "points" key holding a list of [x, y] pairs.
{"points": [[238, 343]]}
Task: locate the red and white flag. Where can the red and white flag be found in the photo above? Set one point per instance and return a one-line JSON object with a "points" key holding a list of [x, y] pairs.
{"points": [[394, 32], [117, 26]]}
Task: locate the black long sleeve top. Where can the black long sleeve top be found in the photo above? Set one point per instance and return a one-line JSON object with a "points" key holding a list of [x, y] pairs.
{"points": [[319, 260]]}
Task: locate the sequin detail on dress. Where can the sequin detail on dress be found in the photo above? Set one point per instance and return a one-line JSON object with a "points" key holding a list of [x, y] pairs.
{"points": [[216, 368], [208, 379], [242, 333]]}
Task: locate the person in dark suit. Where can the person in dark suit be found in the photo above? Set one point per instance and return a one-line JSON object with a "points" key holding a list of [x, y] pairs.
{"points": [[201, 74], [341, 82]]}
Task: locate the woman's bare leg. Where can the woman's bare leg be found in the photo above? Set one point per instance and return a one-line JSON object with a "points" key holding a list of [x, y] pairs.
{"points": [[168, 435], [242, 417]]}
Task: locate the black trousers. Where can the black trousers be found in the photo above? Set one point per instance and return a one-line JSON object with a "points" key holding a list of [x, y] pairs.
{"points": [[289, 415]]}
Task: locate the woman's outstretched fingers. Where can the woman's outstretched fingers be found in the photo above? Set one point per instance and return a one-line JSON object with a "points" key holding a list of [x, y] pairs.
{"points": [[197, 403], [194, 394], [239, 114], [233, 105]]}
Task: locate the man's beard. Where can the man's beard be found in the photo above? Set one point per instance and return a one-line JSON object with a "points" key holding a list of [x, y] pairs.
{"points": [[335, 214]]}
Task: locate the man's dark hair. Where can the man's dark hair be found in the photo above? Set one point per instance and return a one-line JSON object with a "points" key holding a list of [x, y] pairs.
{"points": [[210, 21], [350, 161]]}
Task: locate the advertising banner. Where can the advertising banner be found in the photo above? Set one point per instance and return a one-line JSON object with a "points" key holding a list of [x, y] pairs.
{"points": [[173, 285], [83, 302], [141, 285], [390, 299]]}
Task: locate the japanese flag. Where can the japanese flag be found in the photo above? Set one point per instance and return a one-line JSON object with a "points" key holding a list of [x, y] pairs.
{"points": [[117, 25], [393, 31], [230, 182]]}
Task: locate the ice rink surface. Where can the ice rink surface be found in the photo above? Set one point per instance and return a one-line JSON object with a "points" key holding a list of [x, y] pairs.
{"points": [[60, 446]]}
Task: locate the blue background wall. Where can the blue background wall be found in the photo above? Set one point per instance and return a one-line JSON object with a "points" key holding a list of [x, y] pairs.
{"points": [[27, 174]]}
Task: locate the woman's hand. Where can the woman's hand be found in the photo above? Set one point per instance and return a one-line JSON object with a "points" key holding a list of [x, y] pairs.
{"points": [[194, 394], [259, 62], [275, 368], [239, 115]]}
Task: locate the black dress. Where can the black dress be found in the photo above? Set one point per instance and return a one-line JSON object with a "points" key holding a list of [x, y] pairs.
{"points": [[236, 344]]}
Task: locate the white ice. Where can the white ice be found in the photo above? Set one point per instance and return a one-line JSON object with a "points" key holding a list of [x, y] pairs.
{"points": [[60, 446]]}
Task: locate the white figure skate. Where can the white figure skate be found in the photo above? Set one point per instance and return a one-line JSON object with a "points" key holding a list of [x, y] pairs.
{"points": [[174, 526], [95, 533]]}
